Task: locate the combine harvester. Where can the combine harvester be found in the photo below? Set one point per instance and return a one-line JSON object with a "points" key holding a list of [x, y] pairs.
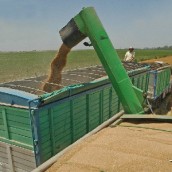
{"points": [[34, 128]]}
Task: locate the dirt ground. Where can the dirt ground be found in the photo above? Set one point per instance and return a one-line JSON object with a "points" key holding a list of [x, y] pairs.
{"points": [[165, 108], [164, 59], [122, 149]]}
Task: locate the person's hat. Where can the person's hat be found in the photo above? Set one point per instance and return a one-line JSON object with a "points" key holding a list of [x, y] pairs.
{"points": [[131, 48]]}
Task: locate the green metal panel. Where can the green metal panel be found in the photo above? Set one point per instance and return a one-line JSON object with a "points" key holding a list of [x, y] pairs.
{"points": [[5, 122], [52, 131], [15, 126], [141, 81], [73, 118], [72, 90], [106, 103], [55, 129], [87, 112], [71, 131], [79, 117], [95, 113], [162, 82]]}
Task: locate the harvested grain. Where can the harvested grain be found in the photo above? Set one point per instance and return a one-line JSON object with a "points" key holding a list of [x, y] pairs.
{"points": [[121, 149], [57, 65]]}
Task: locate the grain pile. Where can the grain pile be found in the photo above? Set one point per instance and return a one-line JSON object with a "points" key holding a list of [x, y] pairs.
{"points": [[122, 149], [57, 65], [164, 59]]}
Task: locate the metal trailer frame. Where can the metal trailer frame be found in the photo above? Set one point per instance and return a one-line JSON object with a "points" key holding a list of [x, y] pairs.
{"points": [[159, 82], [69, 114]]}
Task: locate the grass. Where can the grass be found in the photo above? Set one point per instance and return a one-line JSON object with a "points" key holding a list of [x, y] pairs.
{"points": [[19, 65]]}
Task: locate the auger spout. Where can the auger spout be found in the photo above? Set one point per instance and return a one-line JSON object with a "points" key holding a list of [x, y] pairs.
{"points": [[87, 24]]}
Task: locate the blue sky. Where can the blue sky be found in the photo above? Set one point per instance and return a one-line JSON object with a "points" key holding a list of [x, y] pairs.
{"points": [[34, 24]]}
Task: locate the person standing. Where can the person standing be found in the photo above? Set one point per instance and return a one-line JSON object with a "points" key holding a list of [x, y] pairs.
{"points": [[130, 55]]}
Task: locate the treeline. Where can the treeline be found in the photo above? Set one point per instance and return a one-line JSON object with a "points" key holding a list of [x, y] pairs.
{"points": [[166, 47]]}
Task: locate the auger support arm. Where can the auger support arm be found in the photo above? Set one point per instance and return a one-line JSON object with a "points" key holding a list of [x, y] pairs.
{"points": [[87, 24]]}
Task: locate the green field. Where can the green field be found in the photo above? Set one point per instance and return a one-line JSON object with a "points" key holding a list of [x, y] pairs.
{"points": [[19, 65]]}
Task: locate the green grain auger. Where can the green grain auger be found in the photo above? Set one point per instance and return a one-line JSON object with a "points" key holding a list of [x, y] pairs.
{"points": [[87, 24]]}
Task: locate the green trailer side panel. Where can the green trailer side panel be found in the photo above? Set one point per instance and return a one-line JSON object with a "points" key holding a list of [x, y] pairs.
{"points": [[64, 123], [54, 126], [95, 112], [163, 81], [159, 81], [15, 125], [79, 117]]}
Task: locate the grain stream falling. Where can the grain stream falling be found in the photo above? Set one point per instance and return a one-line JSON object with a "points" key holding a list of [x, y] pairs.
{"points": [[54, 79]]}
